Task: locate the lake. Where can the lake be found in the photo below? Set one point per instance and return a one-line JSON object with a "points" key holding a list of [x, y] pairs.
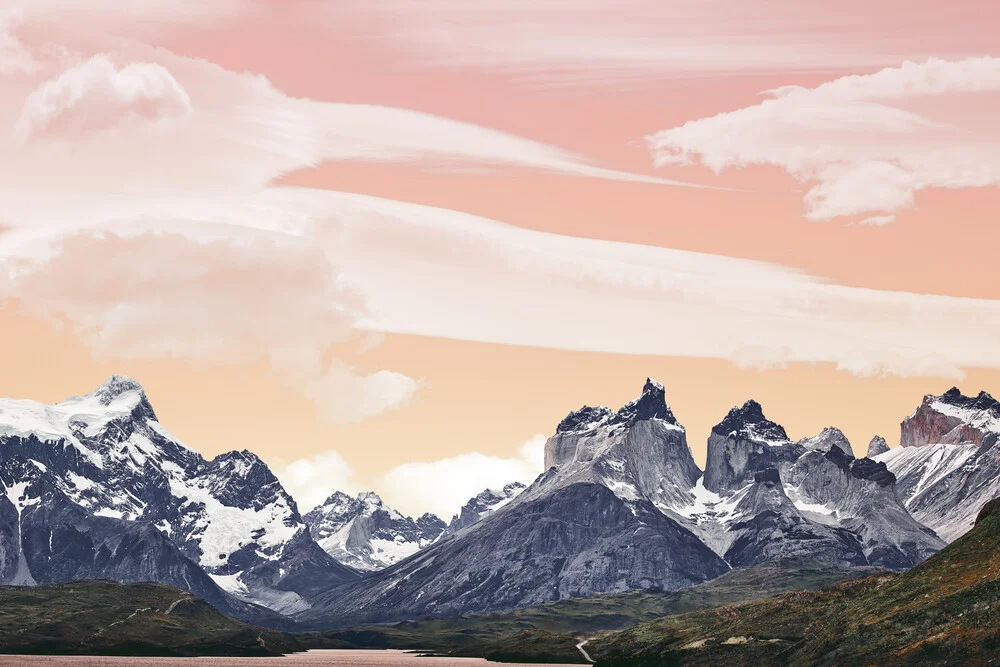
{"points": [[307, 659]]}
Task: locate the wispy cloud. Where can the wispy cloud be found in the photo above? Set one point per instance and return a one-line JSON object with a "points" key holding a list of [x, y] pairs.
{"points": [[595, 42], [865, 144]]}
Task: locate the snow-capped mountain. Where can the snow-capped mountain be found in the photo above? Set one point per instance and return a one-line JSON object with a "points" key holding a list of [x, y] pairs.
{"points": [[948, 463], [102, 466], [588, 525], [365, 534], [483, 505], [765, 497]]}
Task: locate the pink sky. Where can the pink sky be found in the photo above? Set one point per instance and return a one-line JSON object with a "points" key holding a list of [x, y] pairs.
{"points": [[578, 164]]}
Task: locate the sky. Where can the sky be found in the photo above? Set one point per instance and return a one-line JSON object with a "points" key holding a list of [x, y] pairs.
{"points": [[389, 245]]}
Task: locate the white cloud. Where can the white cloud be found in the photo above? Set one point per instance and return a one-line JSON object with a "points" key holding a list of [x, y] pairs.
{"points": [[443, 486], [866, 143], [99, 96], [434, 272], [313, 479], [218, 301], [238, 130], [345, 396], [14, 57]]}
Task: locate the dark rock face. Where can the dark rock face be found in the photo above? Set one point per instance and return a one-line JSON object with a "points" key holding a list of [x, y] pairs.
{"points": [[775, 529], [743, 443], [748, 421], [877, 447], [584, 419], [576, 541], [484, 504], [949, 465], [365, 534], [650, 404], [129, 500]]}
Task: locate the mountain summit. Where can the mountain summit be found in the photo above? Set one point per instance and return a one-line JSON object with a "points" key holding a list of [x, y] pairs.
{"points": [[588, 525], [948, 462], [96, 487]]}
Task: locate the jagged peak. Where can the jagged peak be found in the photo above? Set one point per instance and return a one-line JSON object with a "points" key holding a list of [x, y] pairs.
{"points": [[650, 404], [749, 421], [954, 396], [117, 386], [337, 498], [877, 446], [586, 418], [370, 498], [829, 437]]}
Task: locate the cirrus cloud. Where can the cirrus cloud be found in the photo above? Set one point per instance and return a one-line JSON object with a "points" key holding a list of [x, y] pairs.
{"points": [[866, 144]]}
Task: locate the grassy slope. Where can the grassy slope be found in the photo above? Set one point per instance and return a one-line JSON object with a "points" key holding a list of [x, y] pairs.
{"points": [[103, 617], [550, 632], [942, 612]]}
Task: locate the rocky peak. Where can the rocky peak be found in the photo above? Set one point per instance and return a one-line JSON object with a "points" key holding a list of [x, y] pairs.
{"points": [[827, 439], [749, 422], [118, 386], [954, 419], [651, 404], [982, 401], [584, 419], [877, 446], [483, 504]]}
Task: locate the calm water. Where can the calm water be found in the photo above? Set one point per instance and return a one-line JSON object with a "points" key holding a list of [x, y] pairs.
{"points": [[307, 659]]}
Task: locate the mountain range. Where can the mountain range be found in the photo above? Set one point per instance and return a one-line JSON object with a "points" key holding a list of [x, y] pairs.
{"points": [[96, 488]]}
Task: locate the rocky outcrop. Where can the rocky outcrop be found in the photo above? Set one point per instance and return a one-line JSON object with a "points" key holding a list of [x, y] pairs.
{"points": [[771, 528], [877, 447], [829, 438], [366, 534], [948, 466], [483, 505]]}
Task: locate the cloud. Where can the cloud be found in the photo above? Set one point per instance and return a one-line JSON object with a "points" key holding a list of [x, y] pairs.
{"points": [[98, 96], [445, 485], [14, 57], [228, 130], [345, 396], [588, 42], [433, 272], [866, 144], [153, 295], [313, 479]]}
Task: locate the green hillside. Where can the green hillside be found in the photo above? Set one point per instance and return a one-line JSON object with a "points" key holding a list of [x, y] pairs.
{"points": [[942, 612], [109, 618]]}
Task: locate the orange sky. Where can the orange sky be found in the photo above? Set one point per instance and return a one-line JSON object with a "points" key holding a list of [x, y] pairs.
{"points": [[478, 396]]}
